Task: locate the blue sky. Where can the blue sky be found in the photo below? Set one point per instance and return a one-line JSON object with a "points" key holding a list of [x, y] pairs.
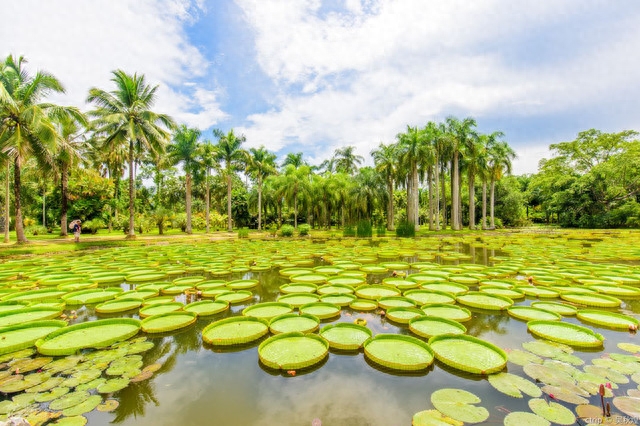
{"points": [[315, 75]]}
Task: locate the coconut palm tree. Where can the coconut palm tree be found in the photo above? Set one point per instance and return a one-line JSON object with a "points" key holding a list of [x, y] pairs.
{"points": [[346, 161], [207, 154], [295, 181], [500, 155], [295, 159], [473, 157], [72, 143], [26, 128], [461, 132], [385, 159], [260, 164], [234, 159], [184, 149], [123, 117], [414, 151], [4, 159]]}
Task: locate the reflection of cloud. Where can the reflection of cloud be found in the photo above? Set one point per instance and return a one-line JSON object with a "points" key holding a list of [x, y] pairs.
{"points": [[334, 398]]}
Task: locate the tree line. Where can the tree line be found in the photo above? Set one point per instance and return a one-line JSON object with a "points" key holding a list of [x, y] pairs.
{"points": [[428, 176]]}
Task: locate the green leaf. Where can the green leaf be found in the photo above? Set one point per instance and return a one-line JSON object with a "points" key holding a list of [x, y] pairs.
{"points": [[458, 404]]}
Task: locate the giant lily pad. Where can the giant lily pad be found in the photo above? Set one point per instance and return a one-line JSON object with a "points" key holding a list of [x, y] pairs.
{"points": [[468, 353], [552, 411], [23, 336], [118, 305], [570, 334], [527, 313], [399, 352], [376, 292], [160, 308], [403, 315], [169, 321], [94, 334], [607, 319], [292, 351], [597, 300], [476, 299], [298, 299], [345, 336], [267, 310], [426, 326], [207, 307], [459, 405], [559, 308], [232, 297], [24, 315], [84, 297], [304, 323], [321, 310], [452, 312], [235, 331]]}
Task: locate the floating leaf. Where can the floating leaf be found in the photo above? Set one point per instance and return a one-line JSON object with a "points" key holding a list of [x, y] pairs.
{"points": [[69, 400], [345, 336], [567, 333], [519, 418], [433, 418], [520, 357], [113, 385], [72, 421], [108, 406], [563, 394], [513, 385], [468, 353], [629, 347], [628, 405], [84, 407], [552, 411], [53, 394], [458, 404], [399, 352], [293, 351], [545, 348]]}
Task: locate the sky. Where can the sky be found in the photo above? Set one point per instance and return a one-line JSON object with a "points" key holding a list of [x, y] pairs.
{"points": [[312, 76]]}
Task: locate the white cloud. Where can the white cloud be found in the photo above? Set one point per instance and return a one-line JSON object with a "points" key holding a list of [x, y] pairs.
{"points": [[529, 157], [82, 42], [368, 72]]}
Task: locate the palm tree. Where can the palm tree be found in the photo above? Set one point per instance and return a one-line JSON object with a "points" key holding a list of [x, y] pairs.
{"points": [[385, 159], [413, 152], [346, 161], [500, 155], [208, 159], [71, 144], [367, 191], [473, 156], [184, 149], [233, 157], [460, 133], [124, 117], [295, 181], [7, 219], [26, 129], [260, 164], [295, 159]]}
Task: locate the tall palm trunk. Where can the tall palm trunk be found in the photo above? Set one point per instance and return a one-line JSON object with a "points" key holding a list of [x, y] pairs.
{"points": [[7, 218], [295, 209], [16, 193], [484, 203], [412, 195], [259, 203], [493, 202], [207, 201], [132, 194], [390, 218], [64, 190], [431, 207], [472, 201], [188, 203], [444, 198], [455, 193], [437, 195], [229, 224]]}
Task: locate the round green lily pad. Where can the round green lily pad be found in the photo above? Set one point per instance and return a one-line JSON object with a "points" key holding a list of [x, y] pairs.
{"points": [[468, 353], [399, 352], [376, 292], [447, 287], [559, 308], [345, 336], [85, 297], [94, 334], [84, 407], [607, 319], [24, 315], [597, 300], [552, 411], [433, 418], [234, 297], [395, 302], [513, 385], [69, 400], [55, 393], [426, 326], [628, 405], [403, 315], [16, 337], [118, 305], [287, 323], [452, 312], [145, 277], [298, 299], [570, 334], [346, 280], [267, 310], [363, 305], [235, 331], [477, 299], [519, 418], [205, 308], [160, 308], [169, 321], [527, 313], [292, 351], [338, 299], [459, 405], [242, 284], [113, 385], [321, 310], [176, 289]]}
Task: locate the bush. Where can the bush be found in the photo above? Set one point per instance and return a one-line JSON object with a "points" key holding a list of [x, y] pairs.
{"points": [[92, 226], [364, 229], [272, 229], [243, 233], [286, 231], [405, 229], [36, 230], [349, 231], [304, 229], [381, 231]]}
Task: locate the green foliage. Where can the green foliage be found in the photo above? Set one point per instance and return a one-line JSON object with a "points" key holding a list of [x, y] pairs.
{"points": [[243, 233], [364, 229], [349, 231], [272, 229], [381, 231], [92, 226], [286, 231], [36, 230], [304, 229], [405, 229], [27, 222]]}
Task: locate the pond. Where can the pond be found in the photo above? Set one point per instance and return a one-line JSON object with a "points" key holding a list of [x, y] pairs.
{"points": [[194, 383]]}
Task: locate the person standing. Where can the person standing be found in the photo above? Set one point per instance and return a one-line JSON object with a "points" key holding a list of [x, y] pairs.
{"points": [[77, 228]]}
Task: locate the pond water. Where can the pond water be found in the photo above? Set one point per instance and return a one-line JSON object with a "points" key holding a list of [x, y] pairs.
{"points": [[198, 384]]}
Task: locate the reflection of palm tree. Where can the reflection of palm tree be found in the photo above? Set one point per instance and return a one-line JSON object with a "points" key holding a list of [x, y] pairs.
{"points": [[484, 323]]}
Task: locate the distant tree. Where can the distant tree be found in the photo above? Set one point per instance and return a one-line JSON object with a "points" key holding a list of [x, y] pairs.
{"points": [[184, 149], [234, 159], [260, 165]]}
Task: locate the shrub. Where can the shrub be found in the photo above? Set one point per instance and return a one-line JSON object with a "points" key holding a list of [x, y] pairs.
{"points": [[35, 230], [286, 231], [364, 229], [381, 231], [272, 229], [304, 229], [405, 229], [27, 222], [349, 231], [243, 233], [92, 226]]}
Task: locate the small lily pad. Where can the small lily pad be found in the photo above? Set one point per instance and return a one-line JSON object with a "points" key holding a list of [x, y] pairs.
{"points": [[84, 407], [513, 385], [628, 405], [521, 357], [433, 418], [458, 404], [552, 411], [108, 406], [519, 418]]}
